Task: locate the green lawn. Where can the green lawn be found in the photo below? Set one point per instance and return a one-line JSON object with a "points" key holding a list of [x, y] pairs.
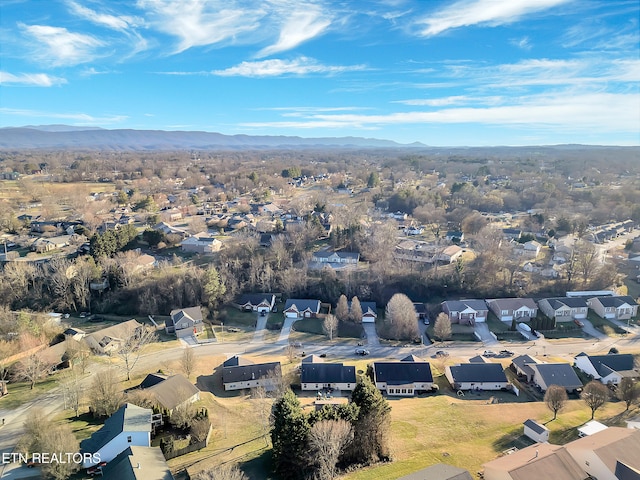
{"points": [[20, 393]]}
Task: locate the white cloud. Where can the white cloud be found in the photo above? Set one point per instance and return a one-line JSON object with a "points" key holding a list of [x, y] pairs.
{"points": [[277, 67], [465, 13], [198, 23], [561, 112], [30, 79], [106, 20], [57, 46], [300, 26], [78, 118], [522, 43]]}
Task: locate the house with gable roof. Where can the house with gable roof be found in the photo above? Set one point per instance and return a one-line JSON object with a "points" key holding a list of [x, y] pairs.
{"points": [[609, 368], [561, 374], [129, 426], [239, 373], [618, 308], [257, 302], [404, 378], [317, 375], [522, 366], [506, 309], [170, 392], [369, 311], [185, 322], [476, 376], [338, 258], [466, 312], [301, 308], [138, 463], [564, 309], [111, 339], [202, 242]]}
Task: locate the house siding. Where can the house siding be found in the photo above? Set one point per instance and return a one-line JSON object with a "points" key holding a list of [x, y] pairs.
{"points": [[119, 445]]}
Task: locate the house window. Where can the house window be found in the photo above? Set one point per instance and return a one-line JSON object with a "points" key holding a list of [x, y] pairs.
{"points": [[184, 325], [404, 390], [129, 439]]}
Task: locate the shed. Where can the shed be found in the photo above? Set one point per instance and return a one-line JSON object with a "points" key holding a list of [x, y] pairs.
{"points": [[590, 428], [535, 431]]}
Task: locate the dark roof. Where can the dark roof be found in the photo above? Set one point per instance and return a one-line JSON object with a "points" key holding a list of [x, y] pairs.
{"points": [[522, 362], [128, 418], [138, 463], [173, 391], [366, 306], [236, 361], [616, 302], [256, 298], [439, 471], [478, 359], [328, 253], [561, 374], [420, 307], [402, 372], [303, 304], [152, 379], [618, 362], [625, 472], [571, 302], [478, 372], [327, 373], [411, 358], [192, 313], [535, 426], [245, 373], [461, 305]]}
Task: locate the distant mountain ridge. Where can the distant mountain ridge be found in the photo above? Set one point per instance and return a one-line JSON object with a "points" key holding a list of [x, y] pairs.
{"points": [[90, 138]]}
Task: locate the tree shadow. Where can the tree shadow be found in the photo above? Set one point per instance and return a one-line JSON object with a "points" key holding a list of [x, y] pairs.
{"points": [[513, 438]]}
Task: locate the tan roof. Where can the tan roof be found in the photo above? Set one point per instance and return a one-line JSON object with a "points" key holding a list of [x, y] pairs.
{"points": [[536, 462], [611, 445], [173, 391], [120, 330]]}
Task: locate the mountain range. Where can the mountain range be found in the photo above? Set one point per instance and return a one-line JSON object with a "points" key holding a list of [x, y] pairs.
{"points": [[92, 138]]}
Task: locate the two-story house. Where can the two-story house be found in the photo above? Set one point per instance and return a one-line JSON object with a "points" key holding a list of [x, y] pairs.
{"points": [[185, 322]]}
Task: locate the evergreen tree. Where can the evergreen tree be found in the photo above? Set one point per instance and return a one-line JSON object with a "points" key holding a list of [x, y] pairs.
{"points": [[213, 287], [289, 437]]}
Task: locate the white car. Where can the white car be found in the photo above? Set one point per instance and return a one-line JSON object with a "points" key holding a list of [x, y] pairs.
{"points": [[362, 351]]}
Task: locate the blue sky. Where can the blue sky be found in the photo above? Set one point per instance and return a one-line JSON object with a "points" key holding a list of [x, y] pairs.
{"points": [[467, 72]]}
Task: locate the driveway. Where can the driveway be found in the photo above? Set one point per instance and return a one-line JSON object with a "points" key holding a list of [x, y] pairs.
{"points": [[286, 330], [482, 329], [261, 328], [372, 335], [589, 329]]}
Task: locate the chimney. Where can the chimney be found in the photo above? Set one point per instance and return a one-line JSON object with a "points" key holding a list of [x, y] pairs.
{"points": [[138, 467], [535, 456]]}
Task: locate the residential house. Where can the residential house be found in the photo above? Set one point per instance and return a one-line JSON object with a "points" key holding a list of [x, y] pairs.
{"points": [[476, 376], [449, 254], [110, 339], [465, 312], [267, 239], [170, 392], [598, 454], [564, 309], [170, 230], [315, 375], [138, 463], [335, 258], [522, 366], [300, 308], [43, 245], [619, 308], [536, 462], [55, 356], [561, 374], [239, 373], [421, 310], [414, 230], [512, 233], [202, 243], [405, 378], [185, 322], [257, 302], [439, 471], [129, 426], [506, 309], [369, 311], [455, 236], [414, 251], [609, 369], [531, 249], [74, 333], [535, 431]]}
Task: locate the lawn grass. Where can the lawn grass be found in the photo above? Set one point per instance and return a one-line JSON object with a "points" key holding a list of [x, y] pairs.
{"points": [[21, 393]]}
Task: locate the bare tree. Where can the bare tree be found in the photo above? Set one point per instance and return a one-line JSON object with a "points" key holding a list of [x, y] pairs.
{"points": [[342, 308], [262, 408], [142, 398], [595, 395], [628, 391], [327, 441], [72, 390], [555, 398], [33, 369], [330, 326], [401, 317], [188, 362], [133, 340], [355, 315], [290, 352], [442, 327], [77, 353], [183, 415], [222, 472], [106, 396]]}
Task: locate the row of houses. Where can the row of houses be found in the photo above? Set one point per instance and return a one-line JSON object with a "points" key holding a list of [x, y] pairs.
{"points": [[471, 311]]}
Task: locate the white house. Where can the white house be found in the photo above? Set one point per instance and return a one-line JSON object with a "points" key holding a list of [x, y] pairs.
{"points": [[591, 428], [201, 242], [449, 254], [476, 376], [327, 256], [257, 302], [466, 312], [315, 375], [609, 369], [239, 373], [405, 378], [369, 311], [536, 432], [129, 426], [301, 308]]}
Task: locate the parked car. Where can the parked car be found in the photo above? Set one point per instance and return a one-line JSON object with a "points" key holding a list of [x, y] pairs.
{"points": [[578, 323], [489, 353], [323, 355], [507, 353], [96, 469], [426, 321], [263, 313], [84, 314], [442, 353], [296, 345], [362, 351]]}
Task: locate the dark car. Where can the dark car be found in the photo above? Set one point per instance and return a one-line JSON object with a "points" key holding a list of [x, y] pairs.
{"points": [[506, 353], [442, 353], [263, 313]]}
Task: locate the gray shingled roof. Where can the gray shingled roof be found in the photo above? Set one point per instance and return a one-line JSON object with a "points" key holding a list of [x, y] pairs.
{"points": [[618, 362], [402, 372], [303, 304], [571, 302], [256, 298], [535, 426], [244, 373], [138, 463], [439, 471], [561, 374], [327, 373], [128, 418], [173, 391], [616, 302], [478, 372]]}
